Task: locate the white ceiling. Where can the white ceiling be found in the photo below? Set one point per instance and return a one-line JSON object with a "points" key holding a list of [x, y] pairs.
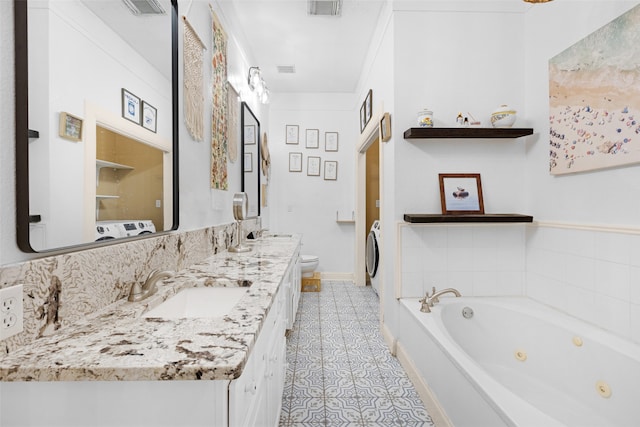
{"points": [[328, 52]]}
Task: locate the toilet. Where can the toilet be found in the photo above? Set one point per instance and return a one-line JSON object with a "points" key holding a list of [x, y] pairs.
{"points": [[308, 264]]}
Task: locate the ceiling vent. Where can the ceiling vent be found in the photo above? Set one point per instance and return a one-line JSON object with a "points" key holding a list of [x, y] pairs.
{"points": [[286, 69], [324, 7], [144, 7]]}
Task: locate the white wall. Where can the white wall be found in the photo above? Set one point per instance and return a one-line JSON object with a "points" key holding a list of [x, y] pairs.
{"points": [[308, 204]]}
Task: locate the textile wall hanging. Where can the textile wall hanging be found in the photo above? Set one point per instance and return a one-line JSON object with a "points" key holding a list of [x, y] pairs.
{"points": [[193, 82], [234, 125], [219, 106], [594, 98]]}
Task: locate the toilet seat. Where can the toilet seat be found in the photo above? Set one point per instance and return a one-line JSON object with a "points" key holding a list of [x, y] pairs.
{"points": [[309, 258]]}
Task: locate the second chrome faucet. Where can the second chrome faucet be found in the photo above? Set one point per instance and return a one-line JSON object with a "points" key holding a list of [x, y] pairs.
{"points": [[430, 300]]}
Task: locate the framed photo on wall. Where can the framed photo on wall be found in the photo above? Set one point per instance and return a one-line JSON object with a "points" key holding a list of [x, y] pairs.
{"points": [[385, 127], [149, 117], [461, 193], [313, 166], [249, 134], [130, 106], [292, 134], [368, 106], [248, 162], [331, 141], [312, 137], [363, 121], [295, 162], [70, 127], [330, 170]]}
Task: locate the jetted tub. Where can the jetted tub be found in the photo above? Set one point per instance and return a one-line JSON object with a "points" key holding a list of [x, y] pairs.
{"points": [[519, 363]]}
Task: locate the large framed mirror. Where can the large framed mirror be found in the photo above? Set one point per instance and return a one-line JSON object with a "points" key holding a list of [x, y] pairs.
{"points": [[251, 162], [96, 121]]}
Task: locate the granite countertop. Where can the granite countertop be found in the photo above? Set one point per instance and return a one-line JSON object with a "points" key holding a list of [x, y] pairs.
{"points": [[117, 343]]}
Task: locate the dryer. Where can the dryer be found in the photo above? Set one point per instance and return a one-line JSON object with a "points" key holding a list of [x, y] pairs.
{"points": [[373, 255]]}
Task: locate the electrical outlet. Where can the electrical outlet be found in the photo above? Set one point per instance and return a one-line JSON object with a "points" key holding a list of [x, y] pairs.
{"points": [[11, 311]]}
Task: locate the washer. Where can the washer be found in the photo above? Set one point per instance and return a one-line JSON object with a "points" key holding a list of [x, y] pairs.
{"points": [[373, 255], [107, 230], [137, 227]]}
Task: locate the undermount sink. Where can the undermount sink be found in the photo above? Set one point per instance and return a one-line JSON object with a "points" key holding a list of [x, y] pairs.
{"points": [[199, 302]]}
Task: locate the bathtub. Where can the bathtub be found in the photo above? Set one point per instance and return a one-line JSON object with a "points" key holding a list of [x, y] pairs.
{"points": [[516, 362]]}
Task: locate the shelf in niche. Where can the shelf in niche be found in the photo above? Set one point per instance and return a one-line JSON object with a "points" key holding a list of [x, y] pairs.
{"points": [[465, 133], [106, 164], [345, 221], [106, 196], [466, 218]]}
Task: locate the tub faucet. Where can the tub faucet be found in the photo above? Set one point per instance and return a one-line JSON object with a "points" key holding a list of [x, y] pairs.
{"points": [[139, 292], [431, 299]]}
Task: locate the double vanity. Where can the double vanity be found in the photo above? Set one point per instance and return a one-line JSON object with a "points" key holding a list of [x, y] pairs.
{"points": [[207, 349]]}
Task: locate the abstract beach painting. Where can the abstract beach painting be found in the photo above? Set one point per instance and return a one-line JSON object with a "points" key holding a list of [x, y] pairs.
{"points": [[594, 99]]}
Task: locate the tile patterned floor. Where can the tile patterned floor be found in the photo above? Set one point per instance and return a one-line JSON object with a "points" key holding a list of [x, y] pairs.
{"points": [[340, 372]]}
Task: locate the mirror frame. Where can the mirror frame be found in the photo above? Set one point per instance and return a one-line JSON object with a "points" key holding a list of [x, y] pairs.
{"points": [[245, 107], [23, 218]]}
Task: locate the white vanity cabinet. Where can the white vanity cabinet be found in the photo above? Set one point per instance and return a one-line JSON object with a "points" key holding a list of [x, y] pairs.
{"points": [[291, 282]]}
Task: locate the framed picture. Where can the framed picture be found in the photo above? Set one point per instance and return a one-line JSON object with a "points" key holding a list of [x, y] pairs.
{"points": [[292, 134], [385, 127], [368, 107], [461, 193], [312, 138], [249, 134], [363, 122], [149, 116], [330, 170], [248, 162], [130, 106], [295, 162], [70, 127], [331, 141], [313, 166]]}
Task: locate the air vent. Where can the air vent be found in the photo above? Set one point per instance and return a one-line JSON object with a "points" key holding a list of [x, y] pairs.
{"points": [[324, 7], [286, 69], [144, 7]]}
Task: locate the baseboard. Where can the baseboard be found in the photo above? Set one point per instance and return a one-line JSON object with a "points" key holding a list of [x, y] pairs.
{"points": [[389, 339], [438, 416], [327, 275]]}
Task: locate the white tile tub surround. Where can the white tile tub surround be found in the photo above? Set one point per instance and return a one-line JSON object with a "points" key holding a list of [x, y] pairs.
{"points": [[478, 259], [590, 272]]}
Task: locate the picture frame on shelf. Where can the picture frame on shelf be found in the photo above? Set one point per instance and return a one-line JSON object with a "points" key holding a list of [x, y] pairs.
{"points": [[248, 162], [70, 127], [331, 141], [330, 170], [461, 193], [292, 134], [249, 134], [149, 117], [312, 138], [313, 166], [295, 162], [130, 106]]}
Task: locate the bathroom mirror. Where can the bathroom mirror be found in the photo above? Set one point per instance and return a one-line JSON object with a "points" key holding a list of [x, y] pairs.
{"points": [[96, 121], [251, 162]]}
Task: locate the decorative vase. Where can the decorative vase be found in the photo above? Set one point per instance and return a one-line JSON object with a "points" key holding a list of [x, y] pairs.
{"points": [[503, 117], [425, 118]]}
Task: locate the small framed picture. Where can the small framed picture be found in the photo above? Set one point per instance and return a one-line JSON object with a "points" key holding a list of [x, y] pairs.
{"points": [[385, 127], [313, 166], [331, 141], [249, 134], [248, 162], [330, 170], [295, 162], [312, 138], [292, 134], [130, 106], [368, 106], [461, 193], [70, 127], [149, 117], [363, 122]]}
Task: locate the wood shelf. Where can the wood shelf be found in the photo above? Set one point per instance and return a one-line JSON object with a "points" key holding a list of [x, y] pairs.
{"points": [[439, 218], [465, 133]]}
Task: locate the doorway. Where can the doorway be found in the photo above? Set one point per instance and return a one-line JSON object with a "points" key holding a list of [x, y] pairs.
{"points": [[372, 187]]}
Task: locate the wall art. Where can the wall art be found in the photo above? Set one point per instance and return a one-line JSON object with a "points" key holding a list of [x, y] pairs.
{"points": [[331, 141], [149, 117], [312, 138], [292, 134], [313, 166], [70, 127], [193, 81], [248, 162], [295, 162], [461, 193], [594, 99], [330, 170], [219, 105], [130, 106], [249, 135], [233, 122]]}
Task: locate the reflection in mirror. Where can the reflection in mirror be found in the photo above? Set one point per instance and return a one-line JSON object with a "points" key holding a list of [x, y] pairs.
{"points": [[96, 85], [251, 159]]}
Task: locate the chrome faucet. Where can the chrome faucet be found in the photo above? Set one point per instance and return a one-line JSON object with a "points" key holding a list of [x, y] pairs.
{"points": [[139, 292], [430, 300]]}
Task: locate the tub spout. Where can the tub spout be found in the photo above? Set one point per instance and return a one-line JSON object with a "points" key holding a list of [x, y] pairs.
{"points": [[431, 299]]}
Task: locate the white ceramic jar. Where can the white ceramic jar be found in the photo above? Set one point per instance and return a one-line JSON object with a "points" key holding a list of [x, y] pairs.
{"points": [[425, 118], [503, 117]]}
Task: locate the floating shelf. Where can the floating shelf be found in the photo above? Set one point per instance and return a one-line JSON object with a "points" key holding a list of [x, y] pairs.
{"points": [[34, 133], [106, 164], [439, 218], [346, 221], [469, 132]]}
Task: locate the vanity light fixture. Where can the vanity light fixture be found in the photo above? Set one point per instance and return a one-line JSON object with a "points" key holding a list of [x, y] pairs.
{"points": [[257, 84], [144, 7]]}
